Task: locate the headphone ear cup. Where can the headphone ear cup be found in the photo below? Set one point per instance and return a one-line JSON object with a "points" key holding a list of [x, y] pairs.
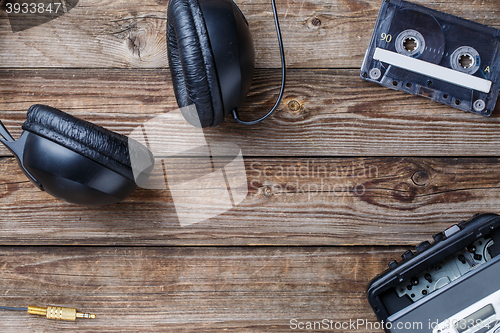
{"points": [[191, 62], [110, 149]]}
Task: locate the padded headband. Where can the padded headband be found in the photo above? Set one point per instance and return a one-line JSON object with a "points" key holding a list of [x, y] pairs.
{"points": [[103, 146]]}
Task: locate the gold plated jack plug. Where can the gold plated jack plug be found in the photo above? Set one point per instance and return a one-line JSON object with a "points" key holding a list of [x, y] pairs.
{"points": [[58, 312]]}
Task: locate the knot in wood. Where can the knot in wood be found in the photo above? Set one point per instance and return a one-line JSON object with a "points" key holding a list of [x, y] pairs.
{"points": [[293, 105], [313, 23], [137, 42], [420, 178], [267, 191]]}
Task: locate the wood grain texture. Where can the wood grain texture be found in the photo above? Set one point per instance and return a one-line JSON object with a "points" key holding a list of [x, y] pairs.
{"points": [[323, 113], [317, 34], [291, 201], [330, 181], [189, 289]]}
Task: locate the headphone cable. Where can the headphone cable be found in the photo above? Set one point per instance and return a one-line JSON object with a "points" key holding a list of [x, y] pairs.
{"points": [[283, 74], [12, 309]]}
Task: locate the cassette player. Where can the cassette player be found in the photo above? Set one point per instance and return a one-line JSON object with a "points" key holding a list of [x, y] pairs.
{"points": [[428, 53], [449, 286]]}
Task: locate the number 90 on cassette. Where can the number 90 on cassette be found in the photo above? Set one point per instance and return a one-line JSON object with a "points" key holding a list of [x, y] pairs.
{"points": [[435, 55]]}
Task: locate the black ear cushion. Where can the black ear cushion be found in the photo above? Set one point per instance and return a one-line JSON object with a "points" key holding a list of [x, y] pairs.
{"points": [[103, 146], [191, 62]]}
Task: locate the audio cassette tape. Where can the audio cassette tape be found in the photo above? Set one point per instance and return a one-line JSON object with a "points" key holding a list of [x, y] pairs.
{"points": [[428, 53], [449, 286]]}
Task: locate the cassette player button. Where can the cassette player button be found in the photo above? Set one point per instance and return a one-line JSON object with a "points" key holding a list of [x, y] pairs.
{"points": [[451, 230], [423, 246], [407, 255], [438, 237], [393, 264]]}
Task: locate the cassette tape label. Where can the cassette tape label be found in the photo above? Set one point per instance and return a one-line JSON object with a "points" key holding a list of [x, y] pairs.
{"points": [[432, 54], [431, 70]]}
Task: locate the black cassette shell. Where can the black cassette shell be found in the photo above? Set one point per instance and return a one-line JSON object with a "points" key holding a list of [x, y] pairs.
{"points": [[437, 68]]}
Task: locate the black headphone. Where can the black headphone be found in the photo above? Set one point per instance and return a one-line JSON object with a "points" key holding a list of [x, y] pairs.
{"points": [[211, 58]]}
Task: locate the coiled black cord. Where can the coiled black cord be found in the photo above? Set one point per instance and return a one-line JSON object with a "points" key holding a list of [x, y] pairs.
{"points": [[283, 74]]}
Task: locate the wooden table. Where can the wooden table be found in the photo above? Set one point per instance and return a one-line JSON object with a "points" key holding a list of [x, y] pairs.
{"points": [[292, 249]]}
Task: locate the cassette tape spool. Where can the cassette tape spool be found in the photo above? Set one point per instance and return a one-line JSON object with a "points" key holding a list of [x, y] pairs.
{"points": [[435, 55]]}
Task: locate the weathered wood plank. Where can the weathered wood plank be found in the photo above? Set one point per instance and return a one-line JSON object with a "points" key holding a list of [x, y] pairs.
{"points": [[323, 113], [319, 201], [103, 54], [189, 289], [317, 34]]}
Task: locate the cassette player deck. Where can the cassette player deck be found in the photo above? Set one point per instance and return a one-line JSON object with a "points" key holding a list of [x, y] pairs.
{"points": [[450, 286], [435, 55]]}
